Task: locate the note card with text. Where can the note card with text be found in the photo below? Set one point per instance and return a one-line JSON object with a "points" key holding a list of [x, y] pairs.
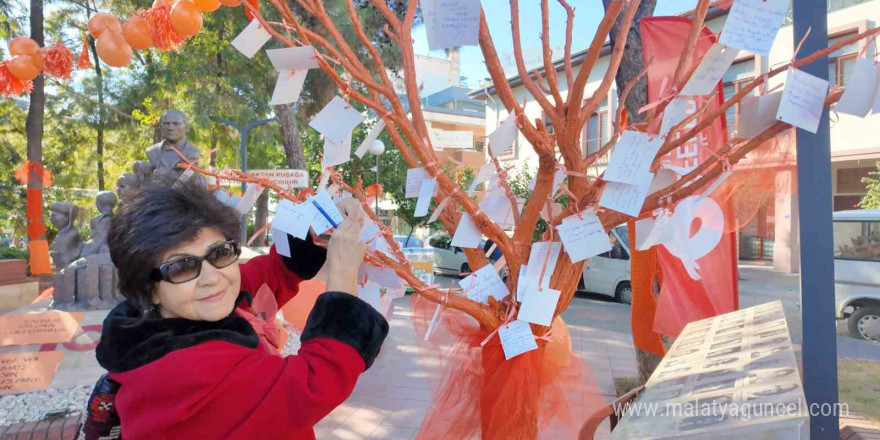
{"points": [[803, 100], [752, 25]]}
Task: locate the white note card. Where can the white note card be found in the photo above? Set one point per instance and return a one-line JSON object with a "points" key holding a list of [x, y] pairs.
{"points": [[538, 306], [292, 219], [626, 198], [712, 68], [282, 246], [653, 231], [503, 137], [335, 154], [384, 277], [429, 187], [803, 100], [371, 137], [466, 234], [858, 98], [249, 198], [372, 294], [454, 23], [251, 39], [414, 179], [675, 112], [758, 113], [288, 87], [876, 109], [482, 284], [752, 25], [293, 58], [516, 338], [558, 178], [485, 172], [319, 221], [336, 120], [541, 251], [583, 238], [631, 157]]}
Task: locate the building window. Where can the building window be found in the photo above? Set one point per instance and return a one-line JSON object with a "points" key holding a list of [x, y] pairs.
{"points": [[842, 61], [736, 78], [479, 145], [597, 131]]}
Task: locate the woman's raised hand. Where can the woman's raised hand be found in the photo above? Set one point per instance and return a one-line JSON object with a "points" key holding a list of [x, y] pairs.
{"points": [[346, 249]]}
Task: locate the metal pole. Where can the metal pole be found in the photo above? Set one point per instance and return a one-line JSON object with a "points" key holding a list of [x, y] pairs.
{"points": [[377, 186], [817, 261]]}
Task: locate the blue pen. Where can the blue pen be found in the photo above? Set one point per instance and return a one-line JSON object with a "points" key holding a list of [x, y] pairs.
{"points": [[324, 213]]}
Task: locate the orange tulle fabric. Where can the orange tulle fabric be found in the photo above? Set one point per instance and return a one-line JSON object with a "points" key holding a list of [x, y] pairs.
{"points": [[478, 394], [10, 85], [58, 61], [164, 35]]}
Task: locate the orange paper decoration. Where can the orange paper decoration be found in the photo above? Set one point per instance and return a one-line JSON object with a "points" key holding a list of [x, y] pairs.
{"points": [[39, 257], [247, 12], [24, 67], [102, 21], [23, 46], [35, 229], [165, 37], [136, 31], [59, 61], [34, 204], [10, 85], [84, 62], [207, 5], [21, 174], [186, 18], [113, 50]]}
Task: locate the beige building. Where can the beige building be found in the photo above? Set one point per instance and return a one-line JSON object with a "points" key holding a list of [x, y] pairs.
{"points": [[772, 235]]}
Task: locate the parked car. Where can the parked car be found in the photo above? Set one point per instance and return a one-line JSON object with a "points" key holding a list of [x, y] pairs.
{"points": [[450, 260], [857, 272], [609, 273], [409, 241]]}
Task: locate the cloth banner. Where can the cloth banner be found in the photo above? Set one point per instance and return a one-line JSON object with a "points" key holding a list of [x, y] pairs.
{"points": [[699, 265], [643, 270]]}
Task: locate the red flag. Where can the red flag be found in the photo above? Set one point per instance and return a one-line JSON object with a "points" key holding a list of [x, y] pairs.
{"points": [[699, 268]]}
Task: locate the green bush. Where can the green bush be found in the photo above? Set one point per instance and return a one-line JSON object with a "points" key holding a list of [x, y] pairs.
{"points": [[10, 253]]}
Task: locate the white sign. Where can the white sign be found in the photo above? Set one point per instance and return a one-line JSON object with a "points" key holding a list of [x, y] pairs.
{"points": [[284, 178], [441, 139]]}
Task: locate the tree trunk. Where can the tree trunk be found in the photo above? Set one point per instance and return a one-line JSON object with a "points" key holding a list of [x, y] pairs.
{"points": [[632, 62], [630, 67], [99, 141], [290, 137], [261, 217], [34, 122]]}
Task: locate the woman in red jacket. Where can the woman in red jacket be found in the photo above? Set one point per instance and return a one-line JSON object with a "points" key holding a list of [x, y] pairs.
{"points": [[190, 365]]}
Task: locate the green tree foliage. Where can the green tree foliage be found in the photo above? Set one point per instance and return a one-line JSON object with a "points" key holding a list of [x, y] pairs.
{"points": [[872, 199]]}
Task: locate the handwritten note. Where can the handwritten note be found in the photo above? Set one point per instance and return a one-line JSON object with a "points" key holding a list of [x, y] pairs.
{"points": [[543, 251], [251, 39], [625, 198], [249, 198], [803, 100], [758, 113], [293, 58], [516, 338], [583, 238], [335, 154], [631, 157], [384, 277], [497, 206], [503, 137], [322, 221], [752, 25], [282, 246], [288, 87], [538, 306], [371, 137], [482, 284], [453, 23], [466, 233], [675, 112], [712, 68], [20, 372], [293, 219], [414, 179], [336, 120], [861, 89], [426, 193], [38, 328]]}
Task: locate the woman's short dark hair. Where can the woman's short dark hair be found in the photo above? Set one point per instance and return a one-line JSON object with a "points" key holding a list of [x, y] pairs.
{"points": [[155, 220]]}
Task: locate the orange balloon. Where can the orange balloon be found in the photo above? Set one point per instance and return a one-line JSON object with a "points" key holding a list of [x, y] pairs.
{"points": [[37, 60], [23, 46], [113, 50], [22, 67], [231, 3], [102, 21], [207, 5], [186, 18], [136, 32]]}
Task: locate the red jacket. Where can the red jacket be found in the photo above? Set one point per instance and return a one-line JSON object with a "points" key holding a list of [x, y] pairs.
{"points": [[184, 379]]}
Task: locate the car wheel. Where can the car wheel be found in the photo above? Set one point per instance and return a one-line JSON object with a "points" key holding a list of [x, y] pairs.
{"points": [[864, 323], [465, 268], [624, 293]]}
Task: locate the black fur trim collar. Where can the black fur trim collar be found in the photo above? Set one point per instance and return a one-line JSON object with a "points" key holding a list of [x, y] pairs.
{"points": [[127, 344]]}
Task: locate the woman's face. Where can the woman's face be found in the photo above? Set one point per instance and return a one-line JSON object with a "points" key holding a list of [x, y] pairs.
{"points": [[209, 297]]}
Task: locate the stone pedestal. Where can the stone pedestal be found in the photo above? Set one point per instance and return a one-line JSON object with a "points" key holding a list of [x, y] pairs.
{"points": [[16, 288]]}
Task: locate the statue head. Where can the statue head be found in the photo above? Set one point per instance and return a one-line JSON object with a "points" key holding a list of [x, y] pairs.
{"points": [[105, 201], [63, 214], [174, 126], [127, 185]]}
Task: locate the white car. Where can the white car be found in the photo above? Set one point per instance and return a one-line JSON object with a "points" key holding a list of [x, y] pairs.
{"points": [[609, 273], [857, 271], [449, 260]]}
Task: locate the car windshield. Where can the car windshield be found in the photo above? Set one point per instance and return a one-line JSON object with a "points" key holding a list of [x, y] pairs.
{"points": [[623, 233], [412, 242]]}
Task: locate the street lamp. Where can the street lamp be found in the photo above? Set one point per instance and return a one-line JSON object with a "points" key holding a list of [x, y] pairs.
{"points": [[376, 150]]}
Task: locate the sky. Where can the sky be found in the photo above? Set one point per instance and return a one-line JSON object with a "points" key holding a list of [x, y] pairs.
{"points": [[588, 14]]}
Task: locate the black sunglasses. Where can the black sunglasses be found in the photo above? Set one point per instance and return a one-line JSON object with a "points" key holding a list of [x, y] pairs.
{"points": [[183, 269]]}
